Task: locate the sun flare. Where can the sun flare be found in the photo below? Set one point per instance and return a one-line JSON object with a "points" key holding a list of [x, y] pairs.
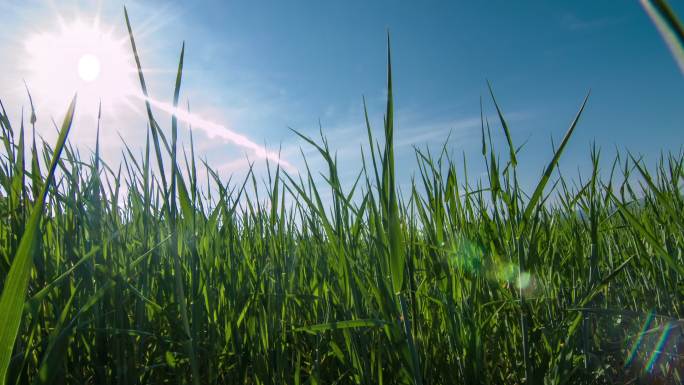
{"points": [[84, 58], [89, 67]]}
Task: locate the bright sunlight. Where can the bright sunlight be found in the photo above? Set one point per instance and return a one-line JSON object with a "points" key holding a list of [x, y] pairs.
{"points": [[80, 57], [89, 67]]}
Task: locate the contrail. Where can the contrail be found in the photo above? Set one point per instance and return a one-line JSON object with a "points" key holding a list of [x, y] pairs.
{"points": [[214, 130]]}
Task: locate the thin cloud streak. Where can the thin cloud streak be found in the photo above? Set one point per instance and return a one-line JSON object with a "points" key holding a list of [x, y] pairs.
{"points": [[441, 130], [423, 134], [215, 130]]}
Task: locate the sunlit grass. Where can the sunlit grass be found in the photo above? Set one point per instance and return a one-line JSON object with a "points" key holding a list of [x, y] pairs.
{"points": [[455, 281]]}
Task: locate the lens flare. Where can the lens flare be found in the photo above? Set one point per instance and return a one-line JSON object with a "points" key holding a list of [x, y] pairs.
{"points": [[469, 257], [660, 347], [524, 280], [639, 339]]}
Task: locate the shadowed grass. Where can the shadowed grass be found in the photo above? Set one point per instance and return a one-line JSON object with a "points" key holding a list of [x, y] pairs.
{"points": [[17, 278]]}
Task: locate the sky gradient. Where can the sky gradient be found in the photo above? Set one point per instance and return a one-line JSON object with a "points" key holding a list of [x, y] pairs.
{"points": [[261, 68]]}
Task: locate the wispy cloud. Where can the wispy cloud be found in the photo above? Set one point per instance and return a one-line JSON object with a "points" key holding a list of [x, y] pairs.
{"points": [[575, 23], [436, 132], [220, 131]]}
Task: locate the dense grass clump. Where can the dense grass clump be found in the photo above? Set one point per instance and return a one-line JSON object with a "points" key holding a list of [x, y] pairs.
{"points": [[455, 281]]}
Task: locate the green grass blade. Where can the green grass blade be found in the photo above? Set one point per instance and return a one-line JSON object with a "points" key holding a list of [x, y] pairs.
{"points": [[539, 190], [359, 323], [154, 127], [178, 270], [16, 283], [394, 233], [648, 236], [504, 124]]}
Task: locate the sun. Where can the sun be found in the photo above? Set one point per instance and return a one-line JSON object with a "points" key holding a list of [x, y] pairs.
{"points": [[89, 67], [81, 57]]}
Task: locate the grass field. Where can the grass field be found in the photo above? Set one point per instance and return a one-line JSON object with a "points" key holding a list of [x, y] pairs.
{"points": [[145, 274]]}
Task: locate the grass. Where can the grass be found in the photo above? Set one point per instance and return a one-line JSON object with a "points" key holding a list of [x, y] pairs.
{"points": [[454, 281]]}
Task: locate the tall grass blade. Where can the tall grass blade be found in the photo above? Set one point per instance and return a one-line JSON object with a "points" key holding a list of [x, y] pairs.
{"points": [[539, 189], [14, 290]]}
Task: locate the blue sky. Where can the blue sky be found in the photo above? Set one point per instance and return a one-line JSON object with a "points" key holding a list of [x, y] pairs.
{"points": [[260, 67]]}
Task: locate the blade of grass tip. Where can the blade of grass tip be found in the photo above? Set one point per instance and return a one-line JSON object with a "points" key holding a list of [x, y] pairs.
{"points": [[507, 131], [17, 193], [669, 207], [154, 127], [669, 27], [35, 166], [36, 179], [532, 204], [16, 282], [97, 140], [370, 143], [536, 195], [180, 290], [392, 210], [33, 110], [648, 236], [6, 129], [146, 185], [395, 236], [174, 131], [482, 129], [193, 173]]}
